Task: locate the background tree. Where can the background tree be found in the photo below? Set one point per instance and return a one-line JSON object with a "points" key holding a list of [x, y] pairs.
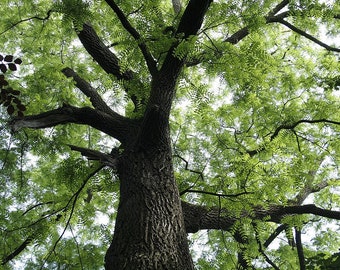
{"points": [[215, 119]]}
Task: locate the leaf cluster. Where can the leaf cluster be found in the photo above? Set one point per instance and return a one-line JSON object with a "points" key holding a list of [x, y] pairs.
{"points": [[9, 97]]}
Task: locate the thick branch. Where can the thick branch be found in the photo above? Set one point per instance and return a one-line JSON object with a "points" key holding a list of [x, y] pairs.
{"points": [[106, 58], [220, 195], [307, 190], [151, 63], [105, 159], [101, 53], [17, 251], [89, 91], [278, 212], [189, 24], [279, 7], [274, 234], [201, 217], [118, 127]]}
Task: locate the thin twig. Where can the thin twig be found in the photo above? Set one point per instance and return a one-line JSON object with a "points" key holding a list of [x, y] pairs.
{"points": [[291, 127], [78, 250], [74, 199], [28, 19], [36, 205]]}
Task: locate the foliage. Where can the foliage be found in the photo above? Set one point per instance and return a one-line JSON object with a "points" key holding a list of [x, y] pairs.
{"points": [[9, 96], [247, 126]]}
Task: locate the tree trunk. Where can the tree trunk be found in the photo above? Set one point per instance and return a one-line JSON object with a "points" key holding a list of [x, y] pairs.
{"points": [[149, 230]]}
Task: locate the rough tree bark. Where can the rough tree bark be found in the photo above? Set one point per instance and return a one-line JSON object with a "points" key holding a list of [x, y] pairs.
{"points": [[150, 231]]}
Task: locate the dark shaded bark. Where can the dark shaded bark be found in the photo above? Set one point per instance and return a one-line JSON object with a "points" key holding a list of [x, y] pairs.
{"points": [[101, 53], [105, 159], [149, 231], [89, 91], [163, 86], [108, 61], [201, 217], [299, 248], [152, 222], [17, 251], [119, 127]]}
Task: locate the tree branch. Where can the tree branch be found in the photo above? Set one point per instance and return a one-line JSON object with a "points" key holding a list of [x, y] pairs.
{"points": [[278, 7], [101, 53], [291, 127], [261, 250], [275, 234], [278, 212], [243, 32], [189, 190], [105, 159], [299, 248], [17, 251], [308, 36], [294, 125], [188, 169], [150, 61], [307, 190], [108, 61], [200, 217], [28, 19], [89, 91], [36, 205], [118, 127], [74, 199], [189, 25], [271, 18]]}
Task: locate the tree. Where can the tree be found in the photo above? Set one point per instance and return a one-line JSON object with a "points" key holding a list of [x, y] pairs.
{"points": [[218, 117]]}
